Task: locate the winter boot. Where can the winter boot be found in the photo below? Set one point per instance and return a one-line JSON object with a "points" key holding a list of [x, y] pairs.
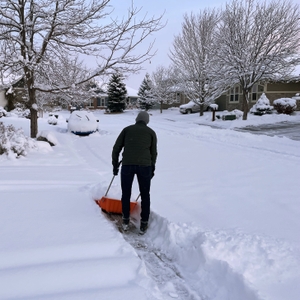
{"points": [[125, 224], [143, 227]]}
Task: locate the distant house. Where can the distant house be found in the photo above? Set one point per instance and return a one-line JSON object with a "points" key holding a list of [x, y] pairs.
{"points": [[100, 101], [12, 90], [233, 98]]}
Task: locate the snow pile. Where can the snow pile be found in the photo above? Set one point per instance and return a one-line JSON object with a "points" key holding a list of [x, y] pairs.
{"points": [[236, 112], [285, 105], [262, 106], [52, 120], [185, 245], [13, 142], [214, 106], [46, 135]]}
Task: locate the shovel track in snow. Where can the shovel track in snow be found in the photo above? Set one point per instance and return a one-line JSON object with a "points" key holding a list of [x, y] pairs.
{"points": [[159, 267]]}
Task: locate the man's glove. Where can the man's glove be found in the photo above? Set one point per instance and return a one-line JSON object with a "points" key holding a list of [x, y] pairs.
{"points": [[153, 169], [116, 170]]}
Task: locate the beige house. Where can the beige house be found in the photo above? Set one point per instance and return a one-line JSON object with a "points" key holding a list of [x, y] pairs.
{"points": [[233, 98]]}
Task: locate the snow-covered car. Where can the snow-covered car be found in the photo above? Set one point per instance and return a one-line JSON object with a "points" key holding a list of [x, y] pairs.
{"points": [[82, 122], [192, 107]]}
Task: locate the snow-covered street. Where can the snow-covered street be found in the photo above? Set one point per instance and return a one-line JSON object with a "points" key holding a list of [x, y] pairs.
{"points": [[224, 214]]}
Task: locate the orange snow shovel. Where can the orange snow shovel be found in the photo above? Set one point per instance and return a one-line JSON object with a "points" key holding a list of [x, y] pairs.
{"points": [[113, 206]]}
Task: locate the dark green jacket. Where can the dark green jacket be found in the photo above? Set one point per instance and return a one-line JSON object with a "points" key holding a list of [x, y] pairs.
{"points": [[140, 146]]}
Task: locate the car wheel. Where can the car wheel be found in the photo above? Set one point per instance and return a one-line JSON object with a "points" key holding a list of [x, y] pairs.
{"points": [[189, 111]]}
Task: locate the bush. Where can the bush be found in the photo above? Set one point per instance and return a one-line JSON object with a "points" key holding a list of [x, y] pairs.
{"points": [[21, 111], [13, 142], [262, 106], [285, 105], [52, 120]]}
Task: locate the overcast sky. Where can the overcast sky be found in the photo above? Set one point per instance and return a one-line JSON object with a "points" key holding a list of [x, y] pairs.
{"points": [[173, 11]]}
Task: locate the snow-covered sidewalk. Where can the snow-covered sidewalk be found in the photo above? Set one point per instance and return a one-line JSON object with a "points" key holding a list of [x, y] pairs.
{"points": [[55, 243]]}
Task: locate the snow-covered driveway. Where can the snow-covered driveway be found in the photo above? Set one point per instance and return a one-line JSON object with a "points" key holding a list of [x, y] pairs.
{"points": [[282, 129]]}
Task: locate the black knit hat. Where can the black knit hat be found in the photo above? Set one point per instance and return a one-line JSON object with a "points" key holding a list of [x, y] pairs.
{"points": [[143, 116]]}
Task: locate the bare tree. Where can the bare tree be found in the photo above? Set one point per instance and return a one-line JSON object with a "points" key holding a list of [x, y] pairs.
{"points": [[56, 82], [194, 56], [36, 33], [163, 86], [258, 42]]}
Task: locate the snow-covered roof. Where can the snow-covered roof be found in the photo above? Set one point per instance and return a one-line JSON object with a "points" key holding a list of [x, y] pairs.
{"points": [[131, 92], [6, 80]]}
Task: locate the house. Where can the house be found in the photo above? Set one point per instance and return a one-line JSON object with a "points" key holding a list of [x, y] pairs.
{"points": [[11, 90], [100, 101], [233, 98]]}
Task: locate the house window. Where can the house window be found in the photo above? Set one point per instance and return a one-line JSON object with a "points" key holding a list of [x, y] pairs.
{"points": [[101, 102], [234, 94], [91, 102], [253, 96], [256, 92]]}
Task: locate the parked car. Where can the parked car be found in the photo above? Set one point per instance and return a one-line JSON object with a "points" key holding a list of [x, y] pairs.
{"points": [[193, 107], [82, 123]]}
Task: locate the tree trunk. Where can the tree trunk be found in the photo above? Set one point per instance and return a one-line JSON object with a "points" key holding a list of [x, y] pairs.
{"points": [[245, 105], [201, 109], [33, 123], [32, 103], [161, 106]]}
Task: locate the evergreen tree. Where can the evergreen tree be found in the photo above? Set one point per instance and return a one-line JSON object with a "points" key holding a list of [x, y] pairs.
{"points": [[116, 94], [146, 98]]}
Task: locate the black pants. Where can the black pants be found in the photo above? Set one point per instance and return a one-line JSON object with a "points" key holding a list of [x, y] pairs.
{"points": [[143, 174]]}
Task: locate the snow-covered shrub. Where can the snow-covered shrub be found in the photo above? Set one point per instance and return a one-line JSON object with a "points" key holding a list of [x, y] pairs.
{"points": [[52, 120], [21, 111], [13, 142], [262, 106], [285, 105], [3, 112]]}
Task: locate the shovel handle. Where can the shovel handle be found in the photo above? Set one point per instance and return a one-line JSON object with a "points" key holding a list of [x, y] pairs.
{"points": [[112, 180], [109, 185]]}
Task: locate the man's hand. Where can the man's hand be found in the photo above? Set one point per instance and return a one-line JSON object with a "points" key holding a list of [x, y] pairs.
{"points": [[153, 169], [115, 170]]}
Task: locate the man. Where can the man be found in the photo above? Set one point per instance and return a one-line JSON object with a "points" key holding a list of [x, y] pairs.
{"points": [[139, 157]]}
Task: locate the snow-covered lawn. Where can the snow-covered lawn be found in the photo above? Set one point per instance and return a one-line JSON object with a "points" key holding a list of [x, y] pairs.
{"points": [[224, 223]]}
